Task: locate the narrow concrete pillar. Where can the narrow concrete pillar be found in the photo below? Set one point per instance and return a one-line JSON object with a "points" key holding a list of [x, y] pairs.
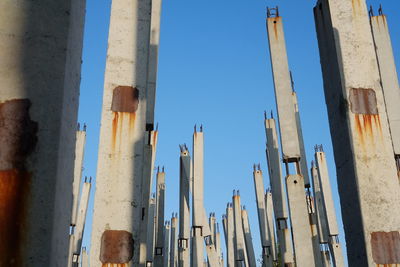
{"points": [[218, 245], [251, 258], [239, 243], [267, 253], [160, 251], [40, 66], [230, 237], [84, 258], [330, 214], [167, 245], [151, 232], [78, 167], [303, 160], [279, 194], [121, 158], [149, 154], [75, 252], [269, 205], [173, 258], [198, 216], [212, 224], [367, 176], [388, 76], [299, 219], [184, 212], [314, 232]]}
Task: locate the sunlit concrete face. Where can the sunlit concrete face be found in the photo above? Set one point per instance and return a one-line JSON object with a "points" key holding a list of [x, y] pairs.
{"points": [[367, 177], [40, 77], [117, 205]]}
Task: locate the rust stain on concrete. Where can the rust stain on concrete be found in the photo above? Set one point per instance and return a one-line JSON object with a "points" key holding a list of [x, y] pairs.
{"points": [[18, 138], [386, 248], [116, 248]]}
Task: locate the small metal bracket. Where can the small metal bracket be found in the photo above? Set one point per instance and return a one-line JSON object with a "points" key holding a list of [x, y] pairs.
{"points": [[273, 12]]}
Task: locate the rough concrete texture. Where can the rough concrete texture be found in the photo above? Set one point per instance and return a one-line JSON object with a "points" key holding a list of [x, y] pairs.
{"points": [[160, 251], [84, 258], [251, 258], [173, 258], [230, 235], [40, 78], [388, 75], [239, 242], [167, 236], [151, 231], [367, 176], [122, 134], [184, 212], [78, 167], [323, 232], [283, 90], [304, 255], [303, 158], [271, 226], [262, 218]]}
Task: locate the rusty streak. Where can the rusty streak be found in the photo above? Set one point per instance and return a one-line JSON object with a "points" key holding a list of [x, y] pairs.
{"points": [[17, 141], [386, 247], [116, 247]]}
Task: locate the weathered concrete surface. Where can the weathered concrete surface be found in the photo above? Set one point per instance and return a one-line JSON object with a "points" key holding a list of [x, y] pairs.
{"points": [[167, 236], [262, 218], [303, 159], [388, 75], [299, 219], [80, 222], [160, 251], [78, 167], [271, 227], [322, 225], [151, 231], [173, 258], [123, 126], [251, 258], [184, 210], [278, 193], [367, 177], [283, 90], [40, 76], [239, 242], [84, 258], [230, 236]]}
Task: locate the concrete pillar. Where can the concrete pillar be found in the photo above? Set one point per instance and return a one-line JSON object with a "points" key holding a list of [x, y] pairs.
{"points": [[326, 257], [167, 246], [267, 254], [184, 212], [212, 224], [367, 176], [198, 216], [40, 66], [230, 237], [239, 243], [314, 232], [122, 152], [269, 205], [279, 194], [149, 154], [330, 214], [173, 258], [251, 258], [78, 167], [218, 245], [160, 251], [303, 160], [388, 76], [84, 258], [299, 219], [80, 223], [151, 232]]}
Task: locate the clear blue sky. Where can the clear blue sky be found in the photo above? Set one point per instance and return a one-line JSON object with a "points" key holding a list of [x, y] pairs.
{"points": [[214, 70]]}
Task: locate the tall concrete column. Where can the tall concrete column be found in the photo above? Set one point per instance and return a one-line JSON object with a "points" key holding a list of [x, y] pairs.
{"points": [[230, 237], [330, 214], [184, 211], [269, 205], [389, 78], [77, 236], [160, 251], [367, 176], [122, 157], [290, 140], [84, 258], [239, 242], [40, 66], [251, 258], [267, 253], [278, 193], [173, 258], [167, 239], [218, 245], [151, 232], [314, 232], [78, 167]]}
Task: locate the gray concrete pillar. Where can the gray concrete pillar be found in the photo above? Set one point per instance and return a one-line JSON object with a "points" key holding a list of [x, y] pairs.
{"points": [[239, 242], [230, 236], [367, 176], [151, 232], [184, 211], [121, 157], [160, 251], [173, 258], [40, 66], [269, 205], [251, 258], [167, 245]]}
